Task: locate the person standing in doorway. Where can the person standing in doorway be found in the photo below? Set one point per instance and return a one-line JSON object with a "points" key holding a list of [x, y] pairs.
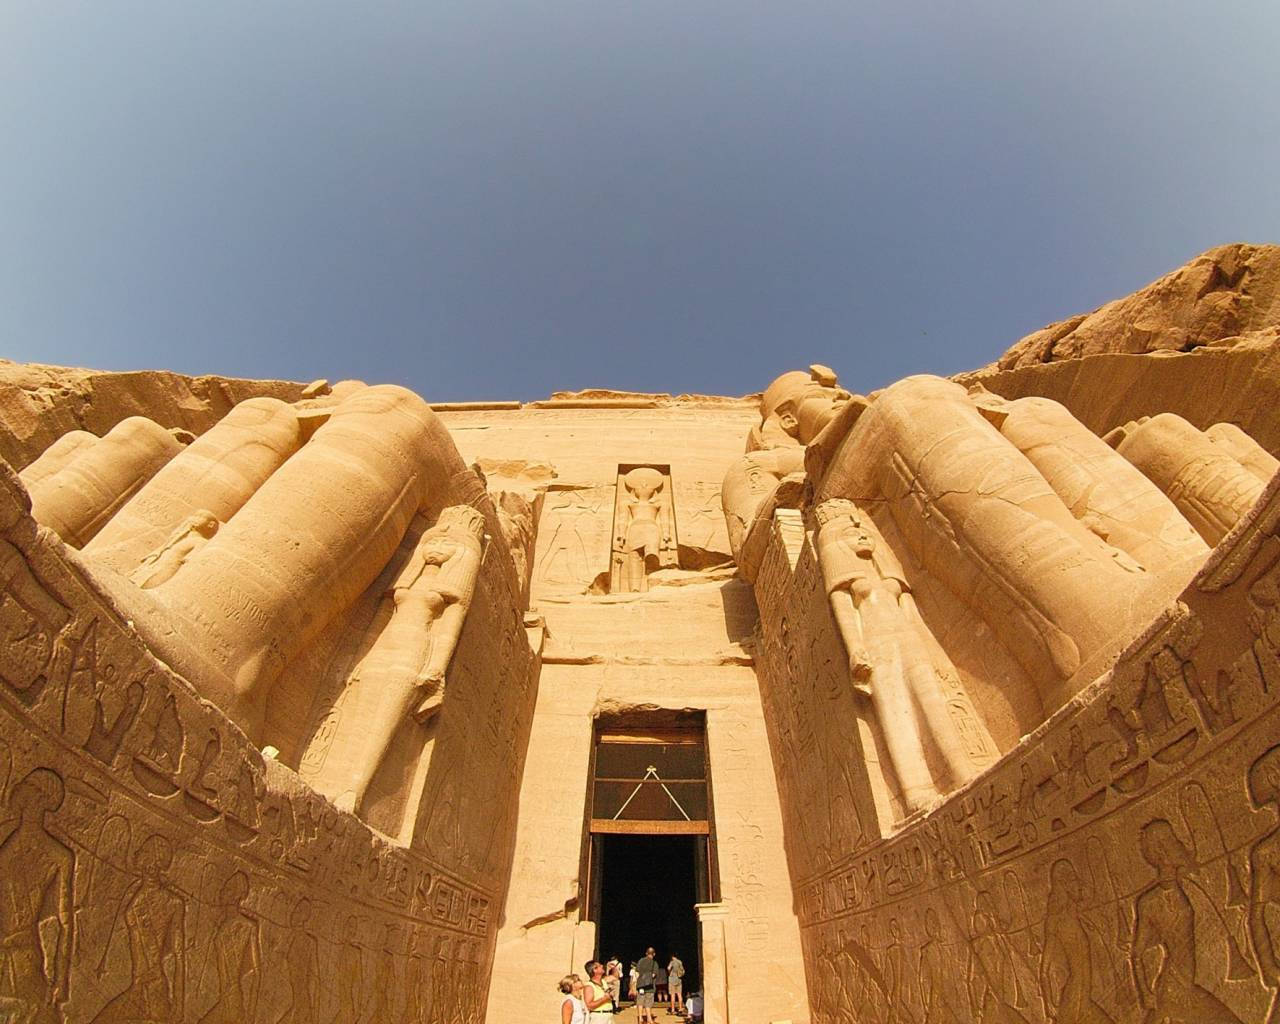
{"points": [[595, 994], [675, 984], [613, 980], [646, 982]]}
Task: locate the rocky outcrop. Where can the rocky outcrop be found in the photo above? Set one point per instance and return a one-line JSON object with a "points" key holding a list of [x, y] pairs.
{"points": [[38, 404], [1224, 296]]}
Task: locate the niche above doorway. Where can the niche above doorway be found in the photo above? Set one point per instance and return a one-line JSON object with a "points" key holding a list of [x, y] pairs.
{"points": [[644, 527]]}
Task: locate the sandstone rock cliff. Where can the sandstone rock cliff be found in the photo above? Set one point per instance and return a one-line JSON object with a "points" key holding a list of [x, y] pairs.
{"points": [[38, 404], [1229, 293]]}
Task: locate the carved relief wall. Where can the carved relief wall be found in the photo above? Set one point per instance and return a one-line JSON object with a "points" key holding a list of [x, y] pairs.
{"points": [[1115, 867], [157, 866]]}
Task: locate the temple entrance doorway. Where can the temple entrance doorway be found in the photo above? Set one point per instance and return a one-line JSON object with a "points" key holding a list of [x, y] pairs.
{"points": [[647, 899], [649, 842]]}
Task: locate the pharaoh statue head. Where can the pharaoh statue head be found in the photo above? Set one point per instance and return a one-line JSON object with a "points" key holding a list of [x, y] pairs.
{"points": [[796, 406]]}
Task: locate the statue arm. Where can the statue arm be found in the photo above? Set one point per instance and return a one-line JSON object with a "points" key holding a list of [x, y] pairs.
{"points": [[972, 986], [1259, 933], [849, 621], [179, 959], [255, 971], [1048, 992], [445, 631], [1136, 950], [67, 921]]}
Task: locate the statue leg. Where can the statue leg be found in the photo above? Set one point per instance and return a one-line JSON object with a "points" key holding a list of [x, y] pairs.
{"points": [[899, 721]]}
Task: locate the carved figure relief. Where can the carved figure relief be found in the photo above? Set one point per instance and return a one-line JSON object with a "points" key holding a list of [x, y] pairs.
{"points": [[236, 952], [163, 564], [1163, 954], [892, 653], [153, 920], [138, 818], [37, 874], [1264, 873], [1066, 968], [644, 530]]}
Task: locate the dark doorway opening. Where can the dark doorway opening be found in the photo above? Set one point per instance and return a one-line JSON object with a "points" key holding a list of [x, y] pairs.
{"points": [[648, 886]]}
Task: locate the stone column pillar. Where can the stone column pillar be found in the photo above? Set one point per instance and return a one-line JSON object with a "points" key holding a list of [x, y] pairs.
{"points": [[715, 963], [584, 947]]}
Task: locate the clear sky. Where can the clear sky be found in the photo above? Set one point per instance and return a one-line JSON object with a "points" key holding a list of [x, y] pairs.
{"points": [[496, 200]]}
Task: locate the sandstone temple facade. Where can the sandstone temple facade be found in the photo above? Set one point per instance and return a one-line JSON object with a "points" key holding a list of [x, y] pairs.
{"points": [[958, 701]]}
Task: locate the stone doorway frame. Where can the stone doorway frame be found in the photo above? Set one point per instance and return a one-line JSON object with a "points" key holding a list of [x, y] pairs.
{"points": [[655, 727]]}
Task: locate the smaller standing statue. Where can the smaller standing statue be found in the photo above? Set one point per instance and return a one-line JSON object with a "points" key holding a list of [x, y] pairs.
{"points": [[644, 529], [403, 672], [164, 563], [934, 739]]}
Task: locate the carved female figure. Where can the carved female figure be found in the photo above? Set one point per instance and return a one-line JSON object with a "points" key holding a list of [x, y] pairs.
{"points": [[891, 650], [403, 671], [1163, 954], [1066, 974]]}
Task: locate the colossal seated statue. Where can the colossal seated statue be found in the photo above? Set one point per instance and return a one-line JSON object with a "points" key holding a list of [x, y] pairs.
{"points": [[793, 412], [1202, 477], [218, 473], [300, 550], [77, 500], [402, 674], [977, 514], [933, 735]]}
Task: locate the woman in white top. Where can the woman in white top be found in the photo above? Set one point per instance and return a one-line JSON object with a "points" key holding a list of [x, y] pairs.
{"points": [[573, 1010]]}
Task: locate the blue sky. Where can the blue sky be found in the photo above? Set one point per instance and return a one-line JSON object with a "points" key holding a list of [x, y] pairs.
{"points": [[488, 200]]}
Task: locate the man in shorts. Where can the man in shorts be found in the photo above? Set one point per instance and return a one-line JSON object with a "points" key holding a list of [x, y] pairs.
{"points": [[646, 982], [675, 984]]}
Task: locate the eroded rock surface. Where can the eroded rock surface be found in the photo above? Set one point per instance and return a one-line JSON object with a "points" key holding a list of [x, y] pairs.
{"points": [[1225, 296]]}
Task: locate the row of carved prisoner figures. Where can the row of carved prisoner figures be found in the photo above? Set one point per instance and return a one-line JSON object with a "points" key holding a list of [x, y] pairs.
{"points": [[1192, 937], [117, 914], [231, 552]]}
